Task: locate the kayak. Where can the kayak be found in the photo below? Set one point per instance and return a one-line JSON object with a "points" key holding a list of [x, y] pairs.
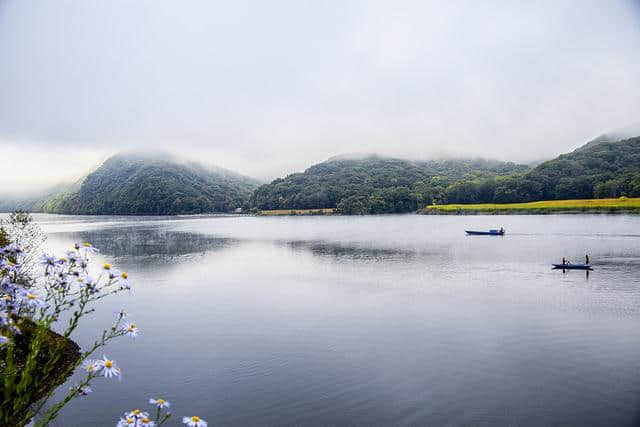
{"points": [[573, 266], [485, 233]]}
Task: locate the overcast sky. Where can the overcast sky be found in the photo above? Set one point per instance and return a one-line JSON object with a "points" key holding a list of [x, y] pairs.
{"points": [[269, 87]]}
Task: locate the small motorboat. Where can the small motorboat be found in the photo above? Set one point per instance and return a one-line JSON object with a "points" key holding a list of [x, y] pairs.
{"points": [[570, 266], [485, 233]]}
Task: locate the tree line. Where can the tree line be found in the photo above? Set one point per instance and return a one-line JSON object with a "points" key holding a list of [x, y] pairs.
{"points": [[376, 185]]}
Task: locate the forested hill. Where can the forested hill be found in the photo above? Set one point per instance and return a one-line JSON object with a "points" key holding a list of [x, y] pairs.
{"points": [[152, 185], [373, 184], [602, 168], [608, 168]]}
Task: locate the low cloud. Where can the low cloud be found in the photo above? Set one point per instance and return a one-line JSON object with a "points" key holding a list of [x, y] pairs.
{"points": [[268, 88]]}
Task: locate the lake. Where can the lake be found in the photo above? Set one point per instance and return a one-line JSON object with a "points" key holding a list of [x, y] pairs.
{"points": [[368, 321]]}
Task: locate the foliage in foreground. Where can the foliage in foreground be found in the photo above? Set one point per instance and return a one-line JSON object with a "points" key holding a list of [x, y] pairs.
{"points": [[33, 359]]}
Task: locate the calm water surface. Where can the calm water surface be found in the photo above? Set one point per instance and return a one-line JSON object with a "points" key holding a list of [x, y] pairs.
{"points": [[369, 321]]}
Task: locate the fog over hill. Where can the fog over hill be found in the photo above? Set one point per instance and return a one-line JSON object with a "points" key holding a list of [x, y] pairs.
{"points": [[145, 184], [268, 88]]}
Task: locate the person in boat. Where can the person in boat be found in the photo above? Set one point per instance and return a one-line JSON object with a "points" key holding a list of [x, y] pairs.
{"points": [[501, 230], [564, 261], [586, 259]]}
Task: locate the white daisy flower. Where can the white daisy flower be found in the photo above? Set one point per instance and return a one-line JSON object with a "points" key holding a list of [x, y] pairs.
{"points": [[109, 368], [92, 366], [80, 279], [48, 260], [146, 422], [8, 287], [160, 403], [194, 421], [131, 329], [86, 248], [73, 257], [85, 281], [12, 249], [124, 280], [7, 264], [30, 299], [137, 413], [126, 422]]}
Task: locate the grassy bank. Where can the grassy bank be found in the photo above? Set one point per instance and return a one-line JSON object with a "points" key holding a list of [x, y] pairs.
{"points": [[281, 212], [620, 205]]}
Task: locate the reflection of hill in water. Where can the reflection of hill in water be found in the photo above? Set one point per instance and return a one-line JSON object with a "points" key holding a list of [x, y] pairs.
{"points": [[137, 241], [356, 252]]}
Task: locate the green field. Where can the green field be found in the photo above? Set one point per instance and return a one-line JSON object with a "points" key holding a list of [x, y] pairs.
{"points": [[621, 204], [281, 212]]}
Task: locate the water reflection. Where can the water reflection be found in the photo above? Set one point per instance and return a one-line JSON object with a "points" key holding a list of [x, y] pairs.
{"points": [[148, 241], [354, 252], [390, 320]]}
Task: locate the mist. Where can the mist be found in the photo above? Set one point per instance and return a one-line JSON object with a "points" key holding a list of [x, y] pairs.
{"points": [[269, 88]]}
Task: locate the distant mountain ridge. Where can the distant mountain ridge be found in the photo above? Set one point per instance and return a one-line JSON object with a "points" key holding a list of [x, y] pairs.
{"points": [[159, 184], [601, 139], [372, 183], [156, 184], [605, 167], [602, 168]]}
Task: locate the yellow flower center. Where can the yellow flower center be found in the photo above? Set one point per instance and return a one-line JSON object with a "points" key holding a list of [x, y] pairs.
{"points": [[195, 419], [124, 275], [106, 266], [145, 420], [31, 296], [160, 401], [130, 421], [86, 244], [109, 364]]}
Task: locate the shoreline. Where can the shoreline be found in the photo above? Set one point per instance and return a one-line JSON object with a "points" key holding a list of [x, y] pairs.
{"points": [[540, 211], [621, 205]]}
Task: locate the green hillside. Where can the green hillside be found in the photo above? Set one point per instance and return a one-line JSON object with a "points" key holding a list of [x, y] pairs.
{"points": [[373, 184], [152, 185], [602, 168]]}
